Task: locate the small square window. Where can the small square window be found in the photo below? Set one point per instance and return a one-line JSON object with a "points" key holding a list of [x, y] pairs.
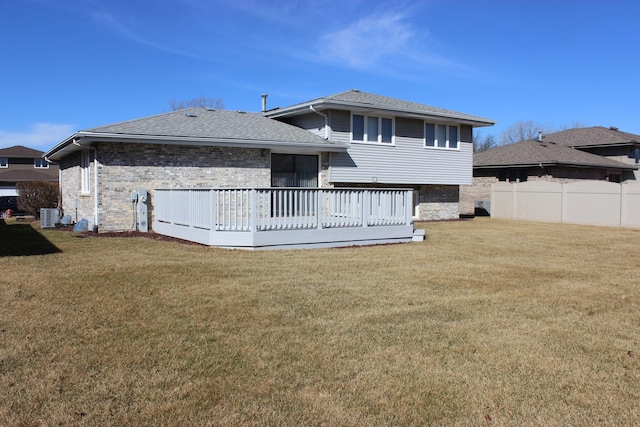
{"points": [[372, 129], [387, 130], [453, 136], [357, 128], [430, 134], [441, 136], [40, 164], [4, 162]]}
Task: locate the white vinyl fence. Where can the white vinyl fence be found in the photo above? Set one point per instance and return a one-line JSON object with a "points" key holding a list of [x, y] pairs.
{"points": [[585, 202]]}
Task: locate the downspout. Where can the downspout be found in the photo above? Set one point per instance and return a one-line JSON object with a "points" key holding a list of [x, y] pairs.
{"points": [[326, 121], [95, 186], [46, 159], [95, 189]]}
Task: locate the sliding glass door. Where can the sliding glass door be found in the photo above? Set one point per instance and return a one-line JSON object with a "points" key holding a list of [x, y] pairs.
{"points": [[294, 170]]}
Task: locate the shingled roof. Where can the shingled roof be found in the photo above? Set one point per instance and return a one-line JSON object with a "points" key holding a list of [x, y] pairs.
{"points": [[355, 99], [535, 153], [597, 136], [200, 126], [19, 151]]}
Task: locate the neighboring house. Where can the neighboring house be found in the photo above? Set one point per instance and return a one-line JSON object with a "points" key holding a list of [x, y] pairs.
{"points": [[581, 154], [22, 164], [352, 139], [606, 142]]}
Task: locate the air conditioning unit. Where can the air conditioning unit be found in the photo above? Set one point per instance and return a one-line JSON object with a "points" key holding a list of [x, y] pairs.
{"points": [[49, 218]]}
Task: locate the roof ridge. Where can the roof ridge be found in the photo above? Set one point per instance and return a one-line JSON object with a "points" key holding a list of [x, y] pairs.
{"points": [[152, 116]]}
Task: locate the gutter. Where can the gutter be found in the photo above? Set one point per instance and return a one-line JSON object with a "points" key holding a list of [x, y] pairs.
{"points": [[216, 142]]}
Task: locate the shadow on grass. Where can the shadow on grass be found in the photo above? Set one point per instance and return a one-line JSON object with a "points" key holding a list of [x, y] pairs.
{"points": [[22, 240]]}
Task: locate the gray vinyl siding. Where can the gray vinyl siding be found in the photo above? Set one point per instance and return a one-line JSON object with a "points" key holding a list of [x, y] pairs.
{"points": [[312, 122], [340, 125], [406, 162], [466, 133]]}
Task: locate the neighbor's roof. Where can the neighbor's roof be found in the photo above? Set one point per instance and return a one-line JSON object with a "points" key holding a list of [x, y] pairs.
{"points": [[200, 126], [535, 153], [597, 136], [19, 151], [363, 101]]}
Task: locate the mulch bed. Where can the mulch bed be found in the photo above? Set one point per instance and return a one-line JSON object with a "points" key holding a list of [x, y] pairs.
{"points": [[149, 235]]}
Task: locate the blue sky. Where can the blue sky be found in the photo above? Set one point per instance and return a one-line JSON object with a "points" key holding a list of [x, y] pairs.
{"points": [[67, 65]]}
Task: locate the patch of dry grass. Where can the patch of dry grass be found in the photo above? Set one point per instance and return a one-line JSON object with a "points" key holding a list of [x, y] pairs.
{"points": [[486, 322]]}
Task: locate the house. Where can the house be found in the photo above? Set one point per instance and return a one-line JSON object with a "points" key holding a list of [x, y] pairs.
{"points": [[351, 139], [580, 154], [22, 164], [606, 142]]}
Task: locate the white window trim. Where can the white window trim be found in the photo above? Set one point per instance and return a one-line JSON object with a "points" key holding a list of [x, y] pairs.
{"points": [[4, 164], [45, 164], [435, 146], [365, 135], [85, 172]]}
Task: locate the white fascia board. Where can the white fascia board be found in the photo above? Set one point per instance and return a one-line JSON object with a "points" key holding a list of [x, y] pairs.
{"points": [[368, 108]]}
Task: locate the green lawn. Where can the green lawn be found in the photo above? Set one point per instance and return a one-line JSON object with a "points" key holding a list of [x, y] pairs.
{"points": [[486, 322]]}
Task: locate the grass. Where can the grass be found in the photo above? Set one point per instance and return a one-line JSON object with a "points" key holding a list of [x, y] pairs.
{"points": [[487, 322]]}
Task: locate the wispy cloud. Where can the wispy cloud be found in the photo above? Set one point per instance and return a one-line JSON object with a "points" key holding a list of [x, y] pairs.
{"points": [[383, 41], [164, 42], [368, 41], [43, 135]]}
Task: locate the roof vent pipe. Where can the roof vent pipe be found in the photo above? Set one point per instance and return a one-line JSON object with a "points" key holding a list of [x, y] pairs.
{"points": [[539, 136], [264, 102]]}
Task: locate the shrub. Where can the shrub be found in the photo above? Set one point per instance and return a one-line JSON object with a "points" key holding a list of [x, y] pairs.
{"points": [[33, 196]]}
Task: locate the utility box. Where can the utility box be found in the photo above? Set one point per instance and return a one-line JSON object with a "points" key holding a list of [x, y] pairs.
{"points": [[143, 211], [482, 207]]}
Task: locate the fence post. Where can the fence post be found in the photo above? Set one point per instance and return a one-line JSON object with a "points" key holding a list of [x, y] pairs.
{"points": [[319, 209], [253, 215], [366, 208]]}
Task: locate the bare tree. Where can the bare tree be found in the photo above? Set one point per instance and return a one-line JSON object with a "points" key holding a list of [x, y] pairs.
{"points": [[483, 142], [529, 130], [523, 131], [201, 101]]}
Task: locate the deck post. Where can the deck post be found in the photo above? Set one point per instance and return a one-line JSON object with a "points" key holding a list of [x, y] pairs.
{"points": [[213, 215], [366, 208], [409, 206], [319, 209], [253, 214], [214, 210]]}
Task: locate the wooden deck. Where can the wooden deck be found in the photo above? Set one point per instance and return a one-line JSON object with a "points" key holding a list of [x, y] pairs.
{"points": [[271, 218]]}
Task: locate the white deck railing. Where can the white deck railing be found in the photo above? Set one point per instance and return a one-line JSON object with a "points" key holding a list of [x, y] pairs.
{"points": [[271, 209]]}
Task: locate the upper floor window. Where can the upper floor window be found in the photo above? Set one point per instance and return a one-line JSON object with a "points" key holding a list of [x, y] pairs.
{"points": [[4, 162], [40, 164], [373, 129], [441, 136]]}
